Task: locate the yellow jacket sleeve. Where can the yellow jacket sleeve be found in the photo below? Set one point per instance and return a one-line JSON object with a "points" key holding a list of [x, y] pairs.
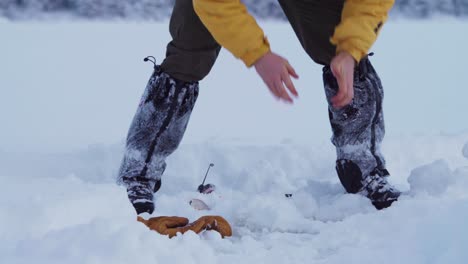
{"points": [[361, 21], [233, 28]]}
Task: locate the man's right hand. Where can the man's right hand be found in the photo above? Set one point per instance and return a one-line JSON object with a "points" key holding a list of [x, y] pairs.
{"points": [[275, 72]]}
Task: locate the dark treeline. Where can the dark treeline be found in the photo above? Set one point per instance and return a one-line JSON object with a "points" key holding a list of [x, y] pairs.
{"points": [[161, 9]]}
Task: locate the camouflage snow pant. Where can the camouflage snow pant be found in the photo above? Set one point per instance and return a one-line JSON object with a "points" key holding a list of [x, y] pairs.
{"points": [[163, 114], [157, 129], [358, 129]]}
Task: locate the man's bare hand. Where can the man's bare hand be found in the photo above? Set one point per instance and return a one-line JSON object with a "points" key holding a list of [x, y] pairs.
{"points": [[275, 72], [342, 67]]}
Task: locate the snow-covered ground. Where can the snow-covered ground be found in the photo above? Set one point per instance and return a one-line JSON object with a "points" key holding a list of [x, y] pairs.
{"points": [[68, 92]]}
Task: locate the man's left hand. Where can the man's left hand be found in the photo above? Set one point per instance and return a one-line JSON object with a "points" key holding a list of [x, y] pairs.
{"points": [[342, 67]]}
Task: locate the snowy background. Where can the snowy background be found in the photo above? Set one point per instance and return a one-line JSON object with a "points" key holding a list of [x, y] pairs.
{"points": [[161, 9], [69, 89]]}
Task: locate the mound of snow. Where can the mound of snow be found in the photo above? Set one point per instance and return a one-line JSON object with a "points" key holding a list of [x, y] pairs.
{"points": [[433, 178], [438, 179]]}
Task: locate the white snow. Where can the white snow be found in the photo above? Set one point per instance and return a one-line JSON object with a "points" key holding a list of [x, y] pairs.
{"points": [[433, 178], [68, 93]]}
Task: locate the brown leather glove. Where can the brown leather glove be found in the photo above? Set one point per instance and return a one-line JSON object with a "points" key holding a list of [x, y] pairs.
{"points": [[171, 225]]}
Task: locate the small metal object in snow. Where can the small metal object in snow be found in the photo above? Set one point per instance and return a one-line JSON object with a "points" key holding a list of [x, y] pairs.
{"points": [[206, 188], [199, 204]]}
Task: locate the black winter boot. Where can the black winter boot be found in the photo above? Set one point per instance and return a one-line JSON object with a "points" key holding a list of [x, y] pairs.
{"points": [[156, 131], [358, 130], [381, 193], [140, 194]]}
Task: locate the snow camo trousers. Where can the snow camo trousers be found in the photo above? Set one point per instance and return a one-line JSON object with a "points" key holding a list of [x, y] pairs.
{"points": [[358, 129], [157, 129]]}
